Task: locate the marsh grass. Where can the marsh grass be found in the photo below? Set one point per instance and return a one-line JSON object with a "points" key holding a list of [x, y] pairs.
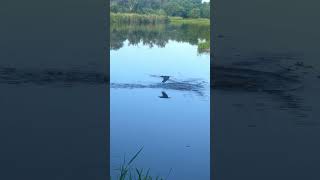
{"points": [[127, 172], [132, 18], [135, 28], [197, 21]]}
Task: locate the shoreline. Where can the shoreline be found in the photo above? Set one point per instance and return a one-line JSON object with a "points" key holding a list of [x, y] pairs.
{"points": [[156, 19]]}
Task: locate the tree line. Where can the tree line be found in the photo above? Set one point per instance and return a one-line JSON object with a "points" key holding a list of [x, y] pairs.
{"points": [[181, 8]]}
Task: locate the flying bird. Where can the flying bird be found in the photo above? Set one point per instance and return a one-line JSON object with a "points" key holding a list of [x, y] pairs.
{"points": [[164, 95], [165, 78]]}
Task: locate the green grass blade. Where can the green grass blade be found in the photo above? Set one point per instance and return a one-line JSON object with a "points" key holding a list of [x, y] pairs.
{"points": [[147, 175], [135, 156], [168, 174]]}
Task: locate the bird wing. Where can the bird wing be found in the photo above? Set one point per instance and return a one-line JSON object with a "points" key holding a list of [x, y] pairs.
{"points": [[165, 78]]}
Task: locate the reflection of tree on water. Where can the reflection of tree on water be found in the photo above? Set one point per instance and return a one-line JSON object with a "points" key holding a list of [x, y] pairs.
{"points": [[158, 35]]}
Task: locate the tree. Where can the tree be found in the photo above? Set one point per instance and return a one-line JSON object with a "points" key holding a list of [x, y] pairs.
{"points": [[194, 13], [205, 10], [114, 7], [182, 8], [132, 4], [174, 9]]}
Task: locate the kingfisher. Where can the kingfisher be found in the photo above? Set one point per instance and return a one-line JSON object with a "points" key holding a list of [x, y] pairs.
{"points": [[165, 78]]}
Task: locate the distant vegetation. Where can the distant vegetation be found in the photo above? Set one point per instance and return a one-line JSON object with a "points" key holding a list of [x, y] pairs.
{"points": [[179, 8], [155, 22], [130, 18], [180, 20], [143, 19]]}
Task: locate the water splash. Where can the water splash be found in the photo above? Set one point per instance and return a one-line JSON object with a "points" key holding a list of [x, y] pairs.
{"points": [[192, 85]]}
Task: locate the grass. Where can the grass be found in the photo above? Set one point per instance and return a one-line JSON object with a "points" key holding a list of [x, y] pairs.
{"points": [[126, 172], [145, 27], [198, 21], [132, 18]]}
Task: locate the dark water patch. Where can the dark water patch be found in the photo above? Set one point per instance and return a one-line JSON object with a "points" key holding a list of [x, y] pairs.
{"points": [[307, 124], [292, 103], [267, 72], [275, 59], [252, 125], [238, 105], [234, 78], [9, 75], [279, 77]]}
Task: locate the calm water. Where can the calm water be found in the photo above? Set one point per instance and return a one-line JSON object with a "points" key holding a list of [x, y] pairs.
{"points": [[174, 131], [258, 133], [49, 130]]}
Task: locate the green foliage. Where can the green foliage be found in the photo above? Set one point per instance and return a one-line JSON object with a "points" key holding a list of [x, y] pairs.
{"points": [[205, 10], [129, 18], [127, 172], [174, 9], [195, 21], [194, 13], [204, 47], [181, 8]]}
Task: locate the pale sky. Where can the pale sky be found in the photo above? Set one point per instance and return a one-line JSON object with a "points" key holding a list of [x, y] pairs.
{"points": [[205, 0]]}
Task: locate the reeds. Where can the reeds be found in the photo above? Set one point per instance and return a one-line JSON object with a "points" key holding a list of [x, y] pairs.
{"points": [[196, 21], [131, 18], [126, 172]]}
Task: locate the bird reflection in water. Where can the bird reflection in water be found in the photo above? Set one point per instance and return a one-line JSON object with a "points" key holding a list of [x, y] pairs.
{"points": [[164, 95]]}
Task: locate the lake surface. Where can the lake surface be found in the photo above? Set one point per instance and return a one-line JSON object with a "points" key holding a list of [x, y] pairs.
{"points": [[53, 127], [170, 120], [268, 127]]}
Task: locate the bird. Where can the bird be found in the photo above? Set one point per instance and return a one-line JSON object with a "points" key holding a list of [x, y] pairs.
{"points": [[164, 95], [165, 78]]}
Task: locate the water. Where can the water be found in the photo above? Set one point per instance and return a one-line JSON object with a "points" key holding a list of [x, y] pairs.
{"points": [[170, 120], [53, 127], [261, 134]]}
